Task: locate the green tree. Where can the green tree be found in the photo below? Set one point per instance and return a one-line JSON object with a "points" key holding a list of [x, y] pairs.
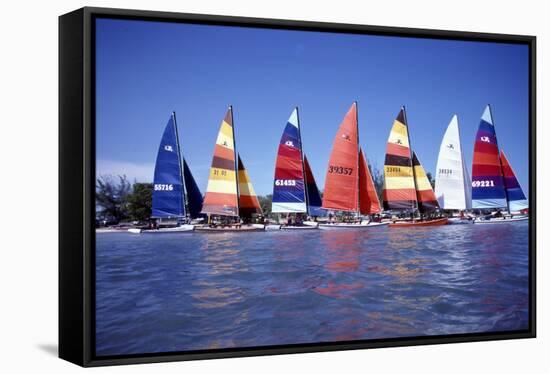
{"points": [[140, 202], [111, 196], [265, 203], [377, 179], [430, 179]]}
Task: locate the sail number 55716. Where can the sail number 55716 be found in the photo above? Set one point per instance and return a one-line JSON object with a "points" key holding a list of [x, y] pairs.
{"points": [[483, 183], [164, 187]]}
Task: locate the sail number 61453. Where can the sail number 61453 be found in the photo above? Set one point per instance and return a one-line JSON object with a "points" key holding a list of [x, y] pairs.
{"points": [[285, 182]]}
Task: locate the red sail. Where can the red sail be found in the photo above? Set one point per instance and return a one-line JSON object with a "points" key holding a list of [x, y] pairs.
{"points": [[341, 192], [368, 197]]}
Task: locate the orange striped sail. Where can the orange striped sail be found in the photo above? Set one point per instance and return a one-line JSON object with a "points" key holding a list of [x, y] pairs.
{"points": [[424, 191], [221, 193], [248, 200], [368, 197], [399, 190], [341, 182]]}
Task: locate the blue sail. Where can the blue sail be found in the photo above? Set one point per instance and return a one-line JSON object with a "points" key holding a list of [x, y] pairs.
{"points": [[168, 192], [314, 197], [194, 196]]}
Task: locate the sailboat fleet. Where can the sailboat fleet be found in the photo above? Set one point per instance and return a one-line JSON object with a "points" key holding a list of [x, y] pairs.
{"points": [[350, 199]]}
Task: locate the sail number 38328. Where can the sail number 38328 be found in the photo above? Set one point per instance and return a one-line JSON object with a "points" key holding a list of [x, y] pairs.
{"points": [[488, 183]]}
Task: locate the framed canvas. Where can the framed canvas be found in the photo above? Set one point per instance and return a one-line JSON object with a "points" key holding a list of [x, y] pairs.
{"points": [[236, 186]]}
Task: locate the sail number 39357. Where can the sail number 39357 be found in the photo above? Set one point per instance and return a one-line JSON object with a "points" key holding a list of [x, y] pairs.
{"points": [[340, 170], [483, 183], [164, 187]]}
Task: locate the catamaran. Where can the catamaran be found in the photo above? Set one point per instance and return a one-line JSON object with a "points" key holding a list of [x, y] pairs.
{"points": [[293, 181], [176, 197], [453, 188], [230, 199], [494, 184], [349, 188], [406, 186]]}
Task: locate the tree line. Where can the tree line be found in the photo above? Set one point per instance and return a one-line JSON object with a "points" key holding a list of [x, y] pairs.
{"points": [[119, 200]]}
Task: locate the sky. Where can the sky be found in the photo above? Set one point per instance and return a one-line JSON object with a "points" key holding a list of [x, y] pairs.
{"points": [[145, 70]]}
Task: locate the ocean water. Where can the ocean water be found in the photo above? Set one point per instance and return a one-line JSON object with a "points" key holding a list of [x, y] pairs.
{"points": [[190, 291]]}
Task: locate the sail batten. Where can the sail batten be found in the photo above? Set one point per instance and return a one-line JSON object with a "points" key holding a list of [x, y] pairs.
{"points": [[168, 190], [342, 178], [452, 181], [289, 187], [517, 201], [487, 181], [399, 184], [221, 196]]}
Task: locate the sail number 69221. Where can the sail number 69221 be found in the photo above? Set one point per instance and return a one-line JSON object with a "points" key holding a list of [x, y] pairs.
{"points": [[488, 183]]}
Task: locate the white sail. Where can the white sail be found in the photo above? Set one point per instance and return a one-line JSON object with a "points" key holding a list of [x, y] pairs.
{"points": [[452, 180]]}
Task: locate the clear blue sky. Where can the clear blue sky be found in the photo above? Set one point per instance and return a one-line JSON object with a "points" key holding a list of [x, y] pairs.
{"points": [[147, 69]]}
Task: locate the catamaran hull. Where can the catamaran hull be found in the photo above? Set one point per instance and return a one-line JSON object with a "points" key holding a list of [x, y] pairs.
{"points": [[338, 226], [433, 222], [460, 221], [494, 221], [166, 230], [244, 228], [299, 227]]}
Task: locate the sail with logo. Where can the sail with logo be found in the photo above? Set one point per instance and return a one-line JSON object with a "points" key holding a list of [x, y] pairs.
{"points": [[223, 204], [493, 181], [453, 187], [487, 181], [349, 192], [168, 189], [406, 186], [170, 207], [293, 182]]}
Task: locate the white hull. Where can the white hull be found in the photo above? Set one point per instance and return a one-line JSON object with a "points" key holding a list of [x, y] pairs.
{"points": [[223, 229], [301, 227], [459, 221], [182, 228], [493, 221], [362, 225]]}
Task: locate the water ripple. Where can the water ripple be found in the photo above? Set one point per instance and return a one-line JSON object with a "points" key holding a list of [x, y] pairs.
{"points": [[174, 292]]}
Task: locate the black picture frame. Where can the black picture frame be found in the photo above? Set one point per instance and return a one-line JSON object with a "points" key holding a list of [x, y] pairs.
{"points": [[77, 184]]}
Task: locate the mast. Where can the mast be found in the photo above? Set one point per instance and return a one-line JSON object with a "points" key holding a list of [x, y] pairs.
{"points": [[236, 163], [180, 163], [302, 159], [411, 157], [500, 162], [358, 161]]}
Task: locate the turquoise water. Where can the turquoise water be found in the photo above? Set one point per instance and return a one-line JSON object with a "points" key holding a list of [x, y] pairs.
{"points": [[189, 291]]}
